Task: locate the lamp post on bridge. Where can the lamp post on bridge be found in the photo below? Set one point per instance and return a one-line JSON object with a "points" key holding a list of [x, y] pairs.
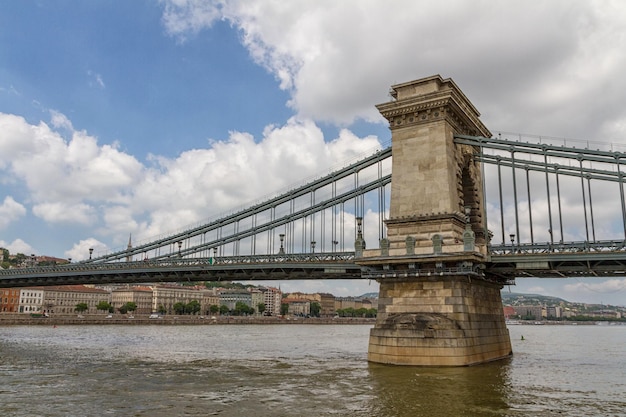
{"points": [[90, 252], [359, 243], [335, 245], [359, 227], [180, 245], [512, 236], [281, 251], [312, 246]]}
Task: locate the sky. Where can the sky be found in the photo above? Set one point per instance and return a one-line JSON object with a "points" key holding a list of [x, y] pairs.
{"points": [[142, 117]]}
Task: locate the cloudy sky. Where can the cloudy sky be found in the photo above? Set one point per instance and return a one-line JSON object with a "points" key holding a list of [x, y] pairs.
{"points": [[142, 117]]}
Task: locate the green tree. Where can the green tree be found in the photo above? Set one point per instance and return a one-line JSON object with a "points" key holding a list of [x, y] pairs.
{"points": [[224, 309], [242, 309], [129, 306], [81, 307], [161, 309], [179, 307], [19, 259], [284, 309], [316, 308], [104, 306], [260, 308], [214, 309], [346, 312], [193, 307]]}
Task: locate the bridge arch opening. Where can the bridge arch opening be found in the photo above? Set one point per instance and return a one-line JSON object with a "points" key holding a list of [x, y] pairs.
{"points": [[470, 196]]}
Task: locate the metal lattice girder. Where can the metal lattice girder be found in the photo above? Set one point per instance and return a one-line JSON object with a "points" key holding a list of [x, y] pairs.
{"points": [[513, 158], [606, 246], [559, 265], [544, 150], [300, 266]]}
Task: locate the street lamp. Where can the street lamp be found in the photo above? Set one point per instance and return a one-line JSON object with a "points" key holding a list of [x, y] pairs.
{"points": [[359, 227], [335, 245], [512, 236], [313, 246], [281, 251], [90, 252], [180, 245]]}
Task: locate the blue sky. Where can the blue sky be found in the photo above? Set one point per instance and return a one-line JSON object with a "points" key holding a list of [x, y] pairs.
{"points": [[127, 117]]}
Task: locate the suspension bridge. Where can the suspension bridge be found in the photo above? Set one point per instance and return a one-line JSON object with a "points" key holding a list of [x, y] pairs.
{"points": [[309, 232], [466, 213]]}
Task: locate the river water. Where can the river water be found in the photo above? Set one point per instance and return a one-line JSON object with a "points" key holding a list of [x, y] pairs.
{"points": [[298, 370]]}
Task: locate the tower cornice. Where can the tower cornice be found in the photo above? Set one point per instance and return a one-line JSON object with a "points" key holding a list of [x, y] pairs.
{"points": [[429, 100]]}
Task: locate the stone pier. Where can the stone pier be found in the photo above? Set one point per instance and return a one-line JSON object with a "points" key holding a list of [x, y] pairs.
{"points": [[437, 307], [450, 321]]}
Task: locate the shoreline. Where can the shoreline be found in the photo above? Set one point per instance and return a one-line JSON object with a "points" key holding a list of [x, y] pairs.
{"points": [[21, 319]]}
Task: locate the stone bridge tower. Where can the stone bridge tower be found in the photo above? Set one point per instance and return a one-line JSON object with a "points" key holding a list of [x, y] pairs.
{"points": [[436, 305]]}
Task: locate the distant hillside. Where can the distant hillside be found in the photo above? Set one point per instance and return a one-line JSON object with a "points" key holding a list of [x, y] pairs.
{"points": [[369, 295], [508, 298], [530, 299]]}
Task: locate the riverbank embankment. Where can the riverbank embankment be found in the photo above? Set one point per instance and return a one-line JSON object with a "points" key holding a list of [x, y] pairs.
{"points": [[119, 319]]}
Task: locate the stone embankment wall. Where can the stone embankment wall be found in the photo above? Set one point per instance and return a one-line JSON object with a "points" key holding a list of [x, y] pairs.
{"points": [[25, 319]]}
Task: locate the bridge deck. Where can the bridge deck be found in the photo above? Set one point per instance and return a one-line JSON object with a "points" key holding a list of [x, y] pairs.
{"points": [[574, 259], [240, 268]]}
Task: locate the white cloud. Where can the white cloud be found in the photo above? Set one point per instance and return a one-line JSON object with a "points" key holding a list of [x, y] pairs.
{"points": [[10, 211], [96, 80], [59, 120], [610, 286], [80, 182], [203, 183], [183, 17], [17, 246], [65, 179], [80, 250], [60, 212], [10, 90], [528, 69]]}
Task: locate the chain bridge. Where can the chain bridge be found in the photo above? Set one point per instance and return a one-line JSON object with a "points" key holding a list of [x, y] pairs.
{"points": [[447, 211], [309, 232]]}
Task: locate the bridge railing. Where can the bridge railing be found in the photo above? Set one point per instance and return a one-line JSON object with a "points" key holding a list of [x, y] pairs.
{"points": [[565, 247], [174, 261]]}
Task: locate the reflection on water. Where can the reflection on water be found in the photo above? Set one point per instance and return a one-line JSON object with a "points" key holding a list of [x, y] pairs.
{"points": [[467, 391], [298, 370]]}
